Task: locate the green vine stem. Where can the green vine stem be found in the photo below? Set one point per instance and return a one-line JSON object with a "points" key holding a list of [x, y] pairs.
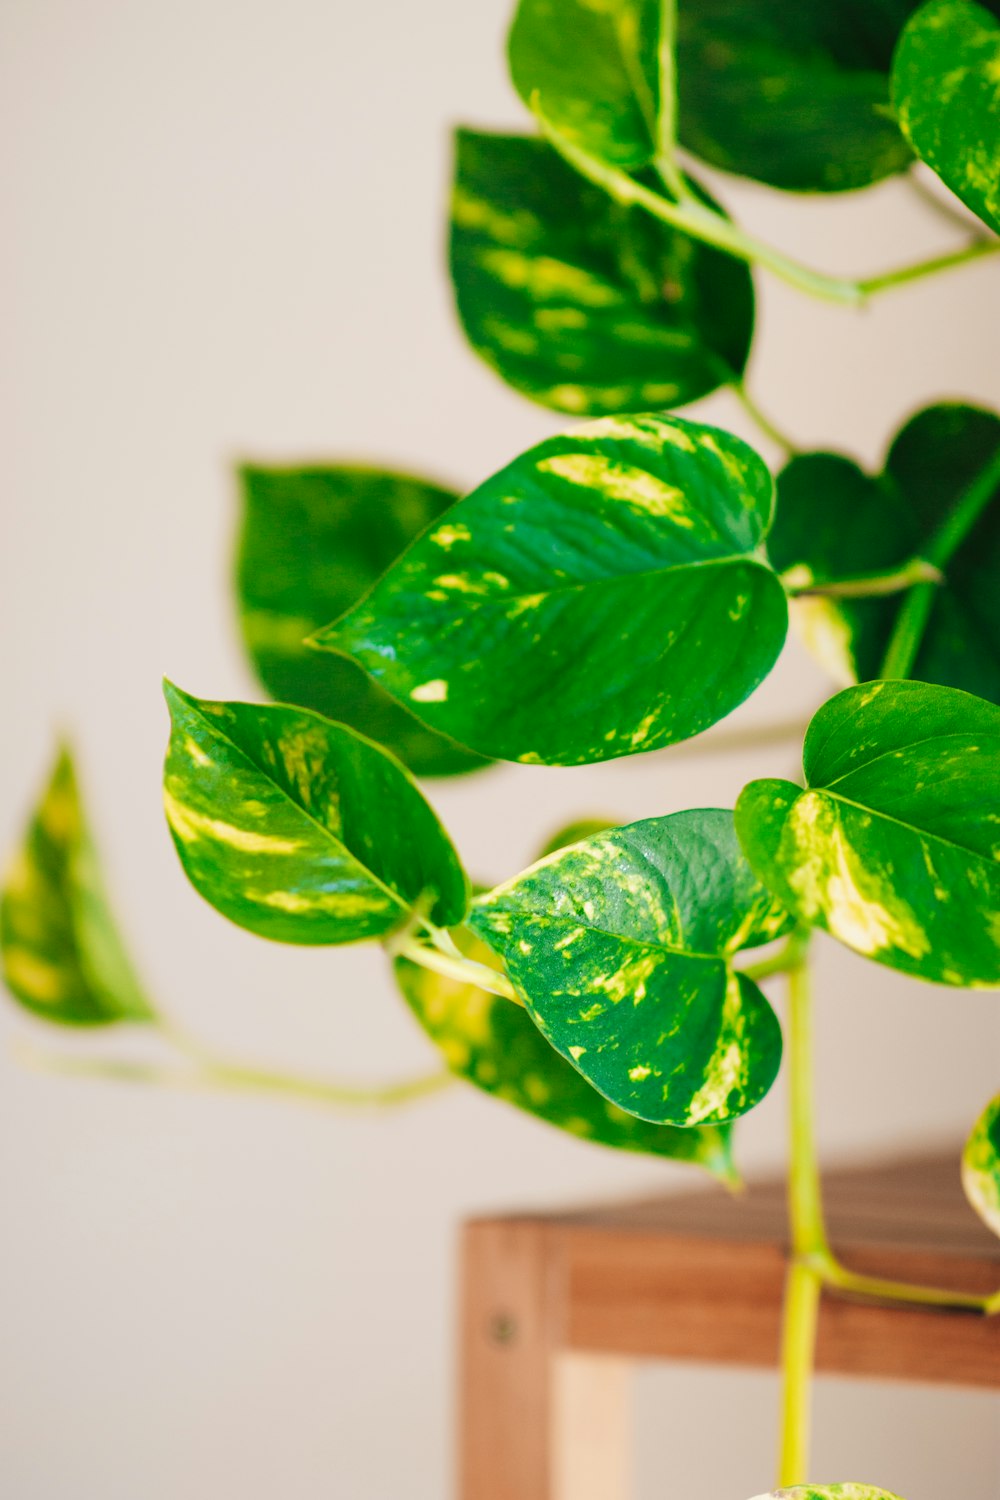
{"points": [[666, 123], [760, 418], [798, 1341], [703, 223], [904, 643], [798, 581], [203, 1074], [453, 965]]}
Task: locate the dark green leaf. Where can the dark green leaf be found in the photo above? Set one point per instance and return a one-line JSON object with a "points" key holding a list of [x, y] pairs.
{"points": [[61, 951], [578, 302], [313, 541], [496, 1046], [299, 829], [894, 846], [622, 948], [797, 95], [593, 68], [981, 1166], [833, 520], [601, 595], [946, 92]]}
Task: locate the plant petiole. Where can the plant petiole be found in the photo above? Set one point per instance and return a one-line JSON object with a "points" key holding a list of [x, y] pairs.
{"points": [[832, 1274], [453, 966], [798, 1342], [799, 583]]}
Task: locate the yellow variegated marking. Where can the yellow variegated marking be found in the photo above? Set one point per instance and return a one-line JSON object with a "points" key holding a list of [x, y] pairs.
{"points": [[191, 825], [451, 532], [39, 977], [435, 691], [543, 276], [621, 481]]}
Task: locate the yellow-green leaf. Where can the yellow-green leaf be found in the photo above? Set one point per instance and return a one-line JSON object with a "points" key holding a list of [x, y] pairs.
{"points": [[894, 845], [601, 595], [495, 1045], [622, 947], [300, 829], [829, 1492], [61, 952], [981, 1166], [946, 92]]}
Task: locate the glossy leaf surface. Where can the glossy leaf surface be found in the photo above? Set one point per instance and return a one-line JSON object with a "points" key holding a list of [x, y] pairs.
{"points": [[313, 541], [981, 1166], [582, 304], [833, 520], [496, 1046], [621, 946], [61, 953], [946, 93], [299, 829], [793, 95], [597, 597], [592, 65], [894, 845]]}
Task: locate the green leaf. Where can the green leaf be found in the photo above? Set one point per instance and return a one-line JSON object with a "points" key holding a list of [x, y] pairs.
{"points": [[829, 1492], [622, 949], [497, 1047], [601, 595], [946, 93], [302, 830], [981, 1166], [893, 847], [793, 95], [61, 952], [833, 520], [580, 303], [592, 65], [313, 541]]}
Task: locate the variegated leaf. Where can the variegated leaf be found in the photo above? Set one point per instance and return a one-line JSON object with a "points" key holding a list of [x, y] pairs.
{"points": [[312, 542], [981, 1166], [61, 952], [894, 845], [498, 1048], [797, 95], [592, 67], [829, 1492], [622, 948], [580, 303], [946, 93], [601, 595], [832, 520], [302, 830]]}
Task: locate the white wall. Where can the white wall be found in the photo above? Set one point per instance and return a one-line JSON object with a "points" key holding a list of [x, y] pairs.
{"points": [[224, 228]]}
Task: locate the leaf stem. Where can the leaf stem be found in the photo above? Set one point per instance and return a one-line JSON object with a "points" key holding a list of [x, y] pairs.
{"points": [[911, 622], [761, 419], [788, 956], [228, 1076], [699, 221], [465, 970], [840, 1279], [666, 122], [805, 1200], [799, 584], [798, 1342]]}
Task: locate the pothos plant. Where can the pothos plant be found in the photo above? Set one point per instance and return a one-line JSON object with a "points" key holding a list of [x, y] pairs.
{"points": [[618, 588]]}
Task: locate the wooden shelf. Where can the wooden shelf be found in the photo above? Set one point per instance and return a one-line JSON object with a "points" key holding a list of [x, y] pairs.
{"points": [[554, 1307]]}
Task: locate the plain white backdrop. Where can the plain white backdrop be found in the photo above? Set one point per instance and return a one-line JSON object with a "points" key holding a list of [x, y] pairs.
{"points": [[224, 229]]}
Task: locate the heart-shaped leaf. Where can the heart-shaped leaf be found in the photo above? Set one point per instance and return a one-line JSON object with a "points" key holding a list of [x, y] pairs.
{"points": [[946, 93], [61, 953], [496, 1046], [302, 830], [622, 948], [580, 303], [313, 541], [981, 1166], [829, 1492], [894, 845], [593, 70], [601, 595], [833, 520], [796, 95]]}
